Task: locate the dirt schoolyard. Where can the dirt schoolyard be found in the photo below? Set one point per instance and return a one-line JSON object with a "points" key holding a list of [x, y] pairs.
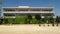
{"points": [[29, 29]]}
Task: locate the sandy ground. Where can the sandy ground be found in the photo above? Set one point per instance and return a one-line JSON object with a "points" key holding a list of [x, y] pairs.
{"points": [[29, 29]]}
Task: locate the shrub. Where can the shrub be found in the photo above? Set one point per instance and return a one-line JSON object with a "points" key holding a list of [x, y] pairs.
{"points": [[5, 21], [19, 20], [34, 21]]}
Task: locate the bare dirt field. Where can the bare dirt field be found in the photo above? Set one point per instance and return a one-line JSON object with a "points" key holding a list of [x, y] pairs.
{"points": [[29, 29]]}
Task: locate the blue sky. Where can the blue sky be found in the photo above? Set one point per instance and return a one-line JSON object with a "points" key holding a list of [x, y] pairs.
{"points": [[34, 3]]}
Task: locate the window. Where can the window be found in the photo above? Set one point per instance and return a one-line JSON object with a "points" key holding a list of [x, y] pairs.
{"points": [[24, 9], [9, 9], [35, 9], [47, 9], [9, 14]]}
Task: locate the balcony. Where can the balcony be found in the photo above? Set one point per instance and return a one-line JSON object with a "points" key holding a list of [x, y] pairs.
{"points": [[28, 12]]}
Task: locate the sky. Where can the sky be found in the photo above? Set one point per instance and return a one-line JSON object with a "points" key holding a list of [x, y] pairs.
{"points": [[34, 3]]}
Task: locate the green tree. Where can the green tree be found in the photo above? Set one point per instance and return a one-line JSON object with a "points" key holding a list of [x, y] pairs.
{"points": [[29, 18], [5, 20], [19, 20], [38, 18], [10, 20], [51, 20], [46, 19], [57, 20]]}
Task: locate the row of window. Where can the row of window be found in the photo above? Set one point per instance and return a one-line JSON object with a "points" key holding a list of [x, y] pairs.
{"points": [[28, 10], [25, 14]]}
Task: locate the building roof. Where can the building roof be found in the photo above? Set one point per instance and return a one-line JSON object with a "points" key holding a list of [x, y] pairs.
{"points": [[27, 7]]}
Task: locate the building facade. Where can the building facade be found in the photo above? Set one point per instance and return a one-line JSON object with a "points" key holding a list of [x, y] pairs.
{"points": [[24, 10]]}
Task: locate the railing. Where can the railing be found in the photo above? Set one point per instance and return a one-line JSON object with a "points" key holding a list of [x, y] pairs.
{"points": [[28, 12]]}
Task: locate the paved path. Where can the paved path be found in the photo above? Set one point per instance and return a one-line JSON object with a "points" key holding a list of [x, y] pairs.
{"points": [[28, 29]]}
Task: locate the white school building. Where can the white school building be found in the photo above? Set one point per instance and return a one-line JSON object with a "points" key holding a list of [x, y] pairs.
{"points": [[24, 10]]}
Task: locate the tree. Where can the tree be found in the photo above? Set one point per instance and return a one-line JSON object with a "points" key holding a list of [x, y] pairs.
{"points": [[43, 21], [38, 18], [51, 20], [57, 20], [1, 20], [5, 20], [29, 18], [46, 19]]}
